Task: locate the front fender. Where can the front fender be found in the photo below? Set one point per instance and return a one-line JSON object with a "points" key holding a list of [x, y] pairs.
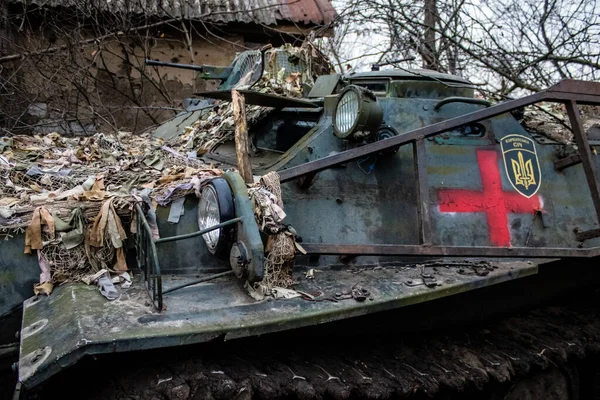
{"points": [[247, 228]]}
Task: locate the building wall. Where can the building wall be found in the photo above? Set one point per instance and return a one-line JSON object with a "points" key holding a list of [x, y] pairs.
{"points": [[106, 86]]}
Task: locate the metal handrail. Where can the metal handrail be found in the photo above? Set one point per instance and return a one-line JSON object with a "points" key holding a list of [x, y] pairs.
{"points": [[456, 99], [148, 255], [144, 241], [198, 233]]}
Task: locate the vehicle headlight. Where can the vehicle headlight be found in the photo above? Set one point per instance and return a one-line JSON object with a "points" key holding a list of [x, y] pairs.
{"points": [[216, 206], [357, 113]]}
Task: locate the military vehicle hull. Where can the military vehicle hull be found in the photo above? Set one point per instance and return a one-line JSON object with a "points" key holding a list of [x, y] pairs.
{"points": [[458, 197]]}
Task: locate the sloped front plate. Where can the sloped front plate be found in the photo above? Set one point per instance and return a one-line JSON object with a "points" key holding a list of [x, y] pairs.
{"points": [[76, 320]]}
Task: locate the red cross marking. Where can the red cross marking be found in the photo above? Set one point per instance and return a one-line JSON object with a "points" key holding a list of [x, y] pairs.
{"points": [[493, 201]]}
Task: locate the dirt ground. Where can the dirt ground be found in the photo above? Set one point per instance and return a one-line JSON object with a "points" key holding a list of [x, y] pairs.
{"points": [[548, 346]]}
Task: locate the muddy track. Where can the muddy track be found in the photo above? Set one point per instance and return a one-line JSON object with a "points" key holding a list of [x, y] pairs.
{"points": [[367, 366]]}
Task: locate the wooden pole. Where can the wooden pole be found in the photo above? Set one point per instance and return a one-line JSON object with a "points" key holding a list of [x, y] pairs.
{"points": [[241, 136]]}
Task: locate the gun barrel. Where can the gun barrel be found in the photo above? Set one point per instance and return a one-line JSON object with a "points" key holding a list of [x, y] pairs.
{"points": [[174, 65]]}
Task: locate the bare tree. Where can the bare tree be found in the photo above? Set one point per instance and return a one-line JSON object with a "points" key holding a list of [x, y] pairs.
{"points": [[507, 45]]}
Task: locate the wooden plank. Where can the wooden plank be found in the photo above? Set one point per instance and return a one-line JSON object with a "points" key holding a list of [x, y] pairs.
{"points": [[241, 136]]}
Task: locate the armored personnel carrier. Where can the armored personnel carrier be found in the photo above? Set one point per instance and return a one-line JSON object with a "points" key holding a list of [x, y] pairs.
{"points": [[393, 188]]}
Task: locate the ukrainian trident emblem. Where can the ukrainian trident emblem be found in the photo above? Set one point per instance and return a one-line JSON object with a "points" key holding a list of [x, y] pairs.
{"points": [[521, 164]]}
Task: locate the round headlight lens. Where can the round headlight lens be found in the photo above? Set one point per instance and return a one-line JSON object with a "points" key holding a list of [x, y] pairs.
{"points": [[216, 206], [357, 114], [209, 215], [346, 112]]}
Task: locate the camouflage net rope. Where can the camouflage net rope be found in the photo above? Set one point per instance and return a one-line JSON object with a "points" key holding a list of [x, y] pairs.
{"points": [[271, 182], [279, 261], [74, 263], [66, 265], [101, 257], [280, 249]]}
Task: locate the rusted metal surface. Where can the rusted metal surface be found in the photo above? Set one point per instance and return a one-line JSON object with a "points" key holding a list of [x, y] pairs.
{"points": [[586, 235], [267, 12], [576, 87]]}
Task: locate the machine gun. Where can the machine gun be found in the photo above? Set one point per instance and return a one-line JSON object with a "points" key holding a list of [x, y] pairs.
{"points": [[247, 64], [205, 71]]}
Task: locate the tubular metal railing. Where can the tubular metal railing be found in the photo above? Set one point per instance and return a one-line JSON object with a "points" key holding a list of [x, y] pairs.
{"points": [[568, 92], [147, 255], [147, 258]]}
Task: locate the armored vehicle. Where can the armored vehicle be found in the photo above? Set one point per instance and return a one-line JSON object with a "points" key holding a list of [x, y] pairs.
{"points": [[398, 187]]}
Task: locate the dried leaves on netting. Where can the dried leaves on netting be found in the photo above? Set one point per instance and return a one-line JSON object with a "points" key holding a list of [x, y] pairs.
{"points": [[280, 249], [551, 120], [59, 176], [279, 261]]}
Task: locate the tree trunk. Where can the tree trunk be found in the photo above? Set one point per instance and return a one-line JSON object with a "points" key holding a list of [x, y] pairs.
{"points": [[428, 48]]}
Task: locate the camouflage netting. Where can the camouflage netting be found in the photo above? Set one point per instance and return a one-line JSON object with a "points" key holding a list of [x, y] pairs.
{"points": [[551, 120], [74, 197], [46, 180], [280, 249], [217, 126]]}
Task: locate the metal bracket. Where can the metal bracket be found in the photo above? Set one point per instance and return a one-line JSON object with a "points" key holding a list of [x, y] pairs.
{"points": [[147, 258], [567, 162], [585, 235], [247, 232]]}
